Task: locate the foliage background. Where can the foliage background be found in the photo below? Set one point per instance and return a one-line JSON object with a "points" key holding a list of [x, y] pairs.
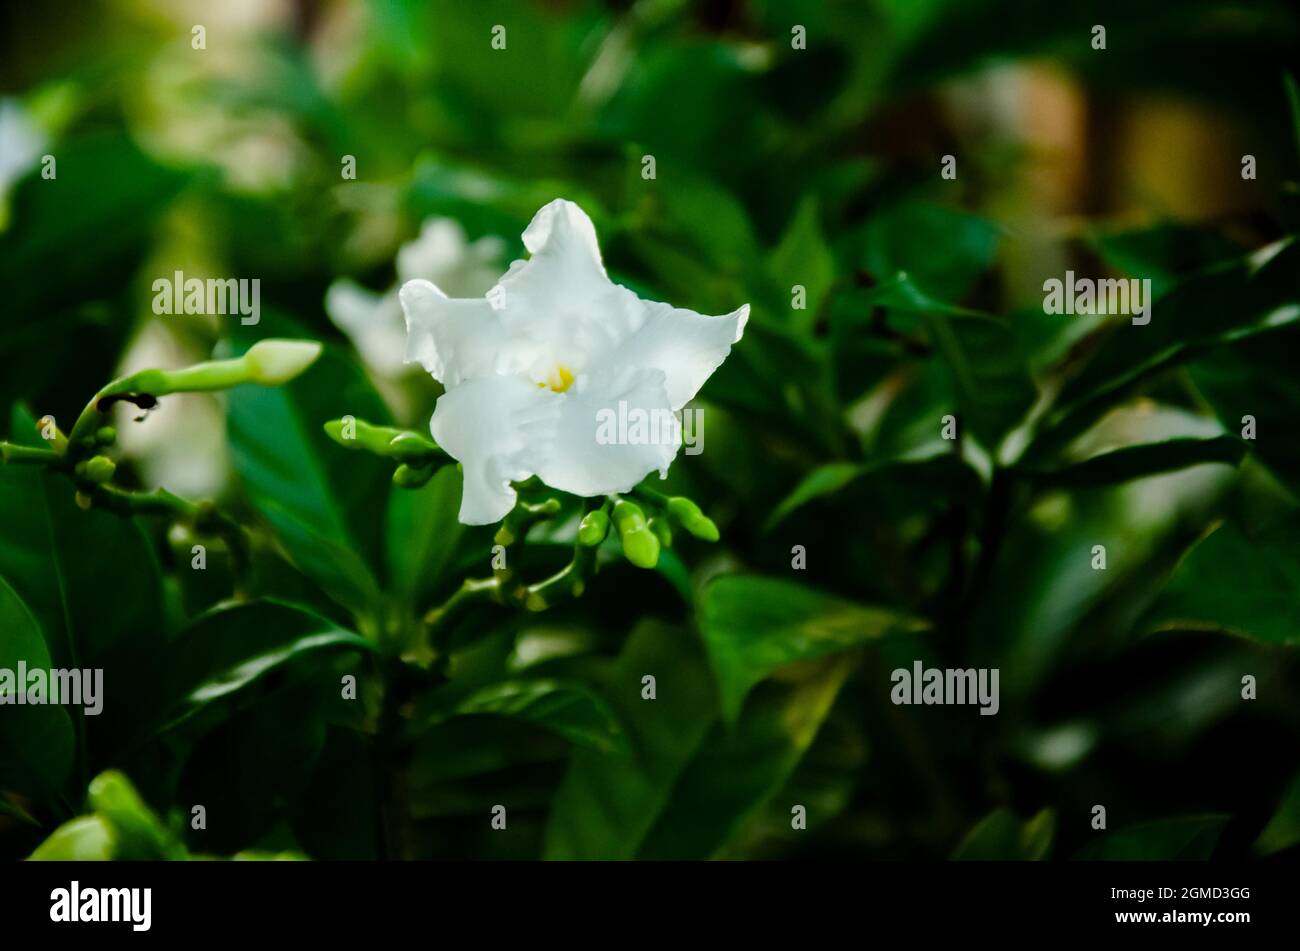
{"points": [[775, 167]]}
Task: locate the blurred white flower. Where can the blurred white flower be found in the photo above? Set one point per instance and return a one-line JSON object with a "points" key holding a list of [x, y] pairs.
{"points": [[531, 369], [180, 444], [21, 143], [441, 254]]}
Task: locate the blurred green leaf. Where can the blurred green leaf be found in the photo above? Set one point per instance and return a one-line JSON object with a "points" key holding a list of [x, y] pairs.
{"points": [[568, 710], [939, 472], [1229, 581], [941, 251], [1255, 378], [1225, 305], [422, 535], [1001, 836], [607, 804], [36, 741], [1184, 839], [91, 578], [740, 767], [803, 258], [754, 626], [1283, 830], [88, 225], [234, 647], [1136, 462], [320, 501]]}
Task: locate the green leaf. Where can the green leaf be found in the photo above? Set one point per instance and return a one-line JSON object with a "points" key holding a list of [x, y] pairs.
{"points": [[1283, 830], [87, 225], [231, 648], [741, 767], [1185, 839], [1256, 377], [608, 803], [1001, 836], [1213, 309], [989, 373], [942, 251], [424, 531], [803, 258], [754, 626], [36, 741], [1136, 462], [569, 710], [941, 473], [1164, 254], [92, 579], [1229, 581], [319, 500], [338, 817], [251, 772]]}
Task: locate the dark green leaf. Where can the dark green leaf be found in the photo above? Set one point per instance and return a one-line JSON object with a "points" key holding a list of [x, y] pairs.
{"points": [[1228, 581], [1001, 836], [1136, 462], [1188, 839], [36, 741], [322, 502], [754, 626]]}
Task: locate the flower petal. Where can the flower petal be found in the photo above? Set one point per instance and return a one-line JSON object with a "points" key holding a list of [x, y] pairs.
{"points": [[685, 345], [563, 283], [373, 322], [459, 339], [500, 430], [592, 452]]}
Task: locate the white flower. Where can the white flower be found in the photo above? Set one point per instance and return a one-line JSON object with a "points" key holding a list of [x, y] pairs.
{"points": [[529, 368], [21, 142], [441, 254]]}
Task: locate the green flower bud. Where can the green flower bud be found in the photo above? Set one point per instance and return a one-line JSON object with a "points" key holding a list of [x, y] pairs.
{"points": [[662, 531], [97, 469], [639, 543], [139, 834], [105, 436], [273, 362], [593, 528], [412, 447], [689, 516], [409, 477]]}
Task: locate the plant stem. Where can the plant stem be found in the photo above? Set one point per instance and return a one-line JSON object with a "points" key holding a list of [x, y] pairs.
{"points": [[27, 455]]}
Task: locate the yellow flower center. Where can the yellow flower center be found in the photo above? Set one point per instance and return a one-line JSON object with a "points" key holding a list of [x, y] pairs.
{"points": [[561, 379]]}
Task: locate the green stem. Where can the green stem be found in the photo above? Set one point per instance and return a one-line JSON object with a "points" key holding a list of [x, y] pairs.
{"points": [[27, 455]]}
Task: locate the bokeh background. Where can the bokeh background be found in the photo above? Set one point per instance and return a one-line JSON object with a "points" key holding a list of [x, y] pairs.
{"points": [[778, 162]]}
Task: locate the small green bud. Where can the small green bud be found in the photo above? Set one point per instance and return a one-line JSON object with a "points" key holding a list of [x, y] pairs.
{"points": [[409, 477], [639, 544], [412, 447], [273, 362], [97, 469], [593, 528], [105, 436], [138, 832], [689, 516], [662, 531]]}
